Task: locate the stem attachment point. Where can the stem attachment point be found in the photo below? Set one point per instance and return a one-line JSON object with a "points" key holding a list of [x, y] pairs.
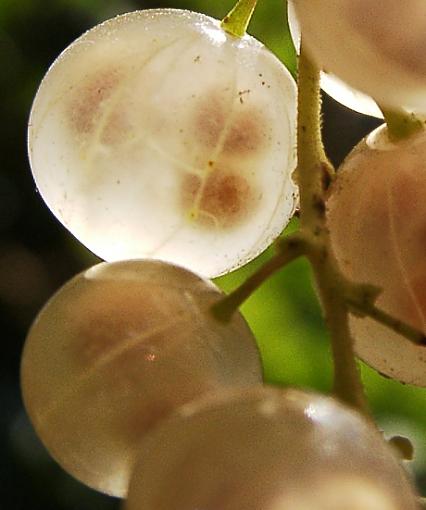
{"points": [[237, 20]]}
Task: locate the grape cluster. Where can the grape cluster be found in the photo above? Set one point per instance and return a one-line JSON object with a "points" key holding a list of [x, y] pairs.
{"points": [[376, 206], [128, 378], [118, 348], [158, 135]]}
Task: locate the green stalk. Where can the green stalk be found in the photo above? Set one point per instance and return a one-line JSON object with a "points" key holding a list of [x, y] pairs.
{"points": [[238, 19], [290, 248], [400, 124], [347, 379]]}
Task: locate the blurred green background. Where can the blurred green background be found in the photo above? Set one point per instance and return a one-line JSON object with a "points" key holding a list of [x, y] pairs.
{"points": [[37, 255]]}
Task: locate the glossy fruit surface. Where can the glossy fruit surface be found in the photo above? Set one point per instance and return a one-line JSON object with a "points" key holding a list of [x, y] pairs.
{"points": [[377, 47], [377, 221], [333, 86], [156, 134], [116, 350], [267, 449]]}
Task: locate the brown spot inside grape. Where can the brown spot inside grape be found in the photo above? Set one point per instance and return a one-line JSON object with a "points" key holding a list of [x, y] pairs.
{"points": [[85, 106], [241, 131], [110, 316], [210, 121], [224, 200], [116, 128], [246, 133], [100, 333]]}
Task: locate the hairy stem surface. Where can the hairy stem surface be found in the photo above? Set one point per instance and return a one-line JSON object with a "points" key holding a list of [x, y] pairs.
{"points": [[313, 174], [400, 124]]}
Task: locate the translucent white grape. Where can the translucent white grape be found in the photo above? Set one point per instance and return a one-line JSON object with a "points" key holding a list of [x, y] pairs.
{"points": [[377, 221], [114, 351], [156, 134], [333, 86], [267, 449], [376, 47]]}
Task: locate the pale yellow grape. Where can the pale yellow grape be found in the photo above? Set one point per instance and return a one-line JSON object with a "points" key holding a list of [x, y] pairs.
{"points": [[267, 449], [377, 220], [157, 134], [333, 86], [115, 351], [377, 47]]}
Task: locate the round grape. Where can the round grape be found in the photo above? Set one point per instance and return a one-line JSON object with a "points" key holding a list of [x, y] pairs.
{"points": [[333, 86], [376, 47], [156, 134], [116, 350], [267, 449], [377, 220]]}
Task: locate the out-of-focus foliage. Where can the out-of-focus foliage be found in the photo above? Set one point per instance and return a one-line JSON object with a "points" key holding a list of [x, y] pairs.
{"points": [[37, 255]]}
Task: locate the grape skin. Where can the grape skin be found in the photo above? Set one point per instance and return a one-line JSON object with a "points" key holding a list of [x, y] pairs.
{"points": [[270, 449], [376, 47], [145, 103], [118, 348], [335, 88], [377, 220]]}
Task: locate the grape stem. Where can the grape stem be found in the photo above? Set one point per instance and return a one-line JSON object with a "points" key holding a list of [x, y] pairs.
{"points": [[347, 381], [289, 248], [238, 19], [339, 297], [314, 172], [400, 124], [366, 309]]}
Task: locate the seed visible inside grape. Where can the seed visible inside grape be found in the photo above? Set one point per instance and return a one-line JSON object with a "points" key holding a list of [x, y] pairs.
{"points": [[153, 135], [218, 199], [376, 47], [377, 221], [269, 449], [115, 351], [86, 102]]}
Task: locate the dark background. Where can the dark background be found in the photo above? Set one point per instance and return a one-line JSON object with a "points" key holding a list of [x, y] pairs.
{"points": [[37, 255]]}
